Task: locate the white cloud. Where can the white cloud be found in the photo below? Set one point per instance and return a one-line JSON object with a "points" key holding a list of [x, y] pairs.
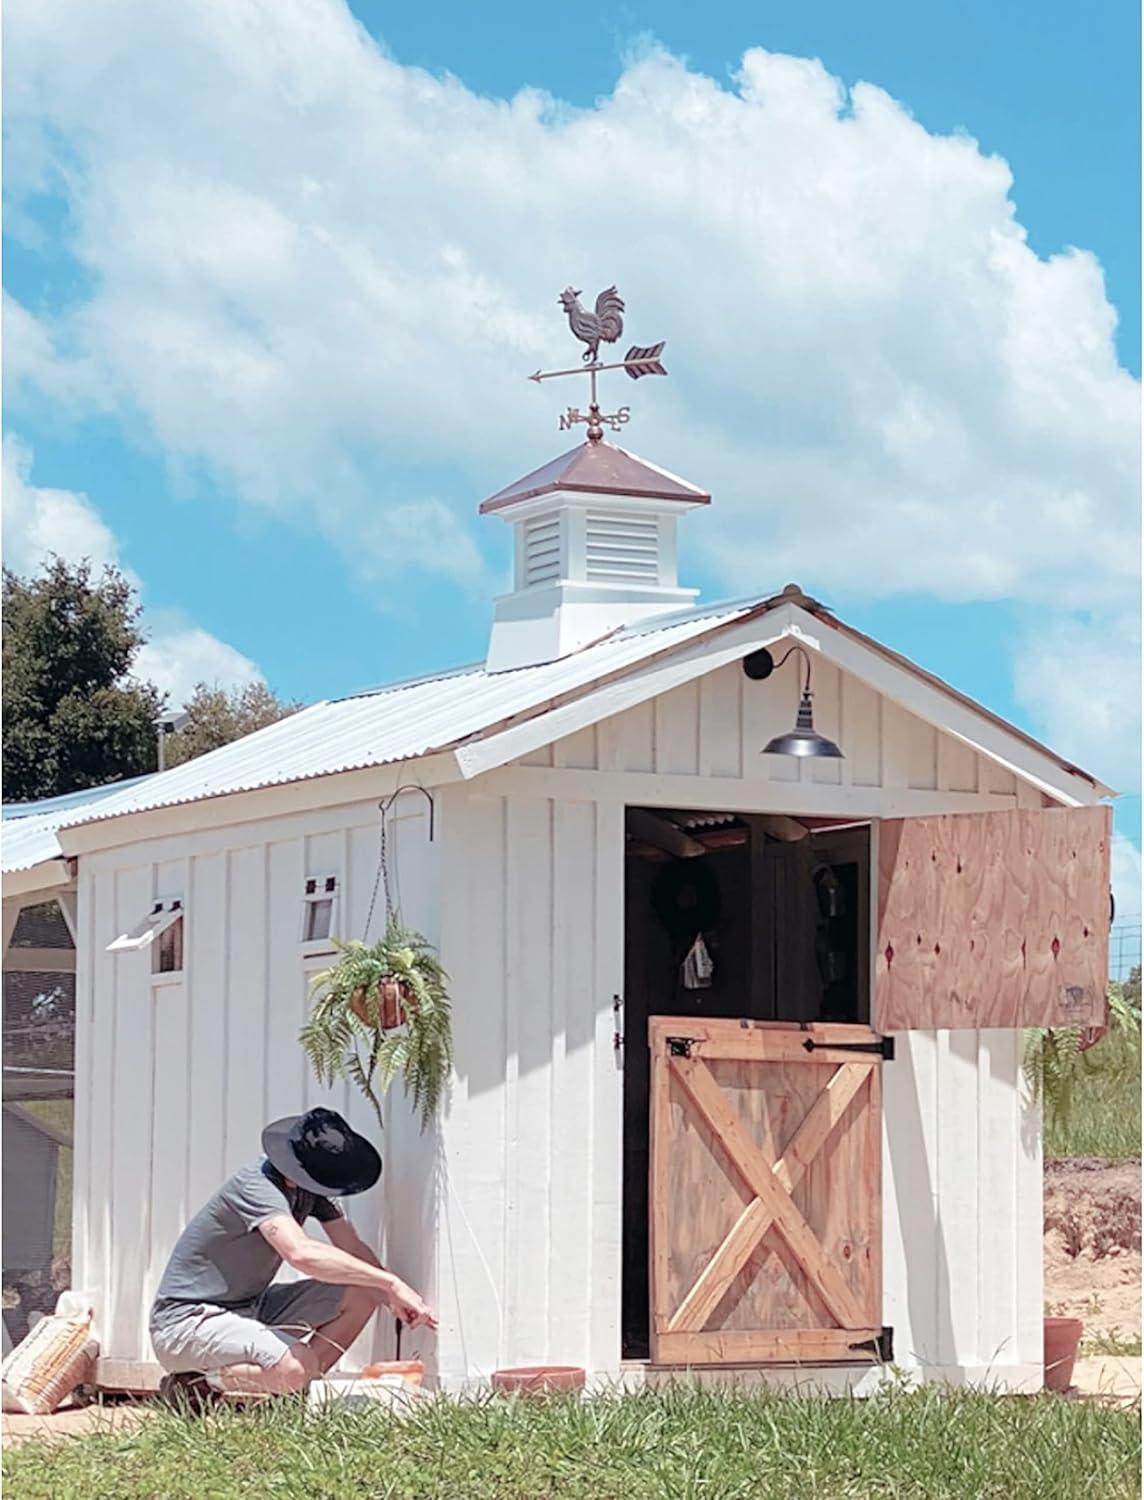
{"points": [[322, 276], [1126, 877], [177, 660], [38, 522], [1080, 679]]}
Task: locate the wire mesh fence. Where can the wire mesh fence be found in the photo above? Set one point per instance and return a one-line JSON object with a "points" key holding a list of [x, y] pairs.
{"points": [[1124, 947]]}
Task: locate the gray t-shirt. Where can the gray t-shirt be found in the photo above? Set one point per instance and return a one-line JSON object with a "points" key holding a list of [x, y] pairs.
{"points": [[220, 1257]]}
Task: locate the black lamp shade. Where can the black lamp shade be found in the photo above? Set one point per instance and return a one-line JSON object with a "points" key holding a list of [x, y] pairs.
{"points": [[803, 739]]}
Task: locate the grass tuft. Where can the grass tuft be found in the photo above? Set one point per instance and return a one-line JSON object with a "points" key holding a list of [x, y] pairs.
{"points": [[678, 1443]]}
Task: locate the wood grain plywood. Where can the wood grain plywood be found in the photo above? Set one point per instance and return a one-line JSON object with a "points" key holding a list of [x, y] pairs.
{"points": [[993, 919]]}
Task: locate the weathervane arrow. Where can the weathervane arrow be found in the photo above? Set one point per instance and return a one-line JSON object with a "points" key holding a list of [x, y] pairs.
{"points": [[593, 328]]}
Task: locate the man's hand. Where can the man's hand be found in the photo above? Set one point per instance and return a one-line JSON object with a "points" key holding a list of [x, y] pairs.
{"points": [[405, 1304]]}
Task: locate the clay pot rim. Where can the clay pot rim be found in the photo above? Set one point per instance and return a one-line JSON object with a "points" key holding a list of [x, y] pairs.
{"points": [[539, 1378], [1063, 1323]]}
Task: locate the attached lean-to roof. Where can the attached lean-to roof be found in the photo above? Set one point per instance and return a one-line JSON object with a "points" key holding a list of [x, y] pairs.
{"points": [[461, 710], [28, 830]]}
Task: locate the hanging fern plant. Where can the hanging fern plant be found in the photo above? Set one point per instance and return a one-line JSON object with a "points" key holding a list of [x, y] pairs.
{"points": [[1059, 1059], [380, 1011]]}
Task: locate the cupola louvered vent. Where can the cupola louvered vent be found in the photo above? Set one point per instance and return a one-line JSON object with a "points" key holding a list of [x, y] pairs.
{"points": [[541, 550], [621, 548]]}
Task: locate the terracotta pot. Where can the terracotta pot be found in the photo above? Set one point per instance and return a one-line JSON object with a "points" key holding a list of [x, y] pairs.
{"points": [[539, 1379], [411, 1370], [1062, 1340], [394, 995]]}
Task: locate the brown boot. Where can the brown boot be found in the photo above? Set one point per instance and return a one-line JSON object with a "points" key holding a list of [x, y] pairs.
{"points": [[189, 1393]]}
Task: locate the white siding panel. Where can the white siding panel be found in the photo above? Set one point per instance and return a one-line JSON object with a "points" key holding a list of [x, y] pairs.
{"points": [[528, 1141], [959, 1188], [604, 1163], [245, 1009], [206, 1059], [130, 1134], [769, 708], [957, 766], [721, 722], [861, 740], [827, 686], [962, 1207], [677, 730]]}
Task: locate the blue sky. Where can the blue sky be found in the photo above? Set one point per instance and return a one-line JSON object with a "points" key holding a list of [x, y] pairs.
{"points": [[274, 287]]}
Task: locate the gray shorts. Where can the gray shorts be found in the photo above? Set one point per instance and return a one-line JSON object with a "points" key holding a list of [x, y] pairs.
{"points": [[202, 1338]]}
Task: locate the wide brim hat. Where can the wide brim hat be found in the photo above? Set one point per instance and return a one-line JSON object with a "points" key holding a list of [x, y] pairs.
{"points": [[322, 1154]]}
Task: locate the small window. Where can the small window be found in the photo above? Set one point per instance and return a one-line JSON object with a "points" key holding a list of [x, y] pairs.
{"points": [[161, 930], [162, 916], [319, 910], [168, 955]]}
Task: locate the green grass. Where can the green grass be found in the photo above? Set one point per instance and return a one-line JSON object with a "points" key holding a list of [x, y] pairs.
{"points": [[675, 1444], [1105, 1118], [59, 1113], [1111, 1342]]}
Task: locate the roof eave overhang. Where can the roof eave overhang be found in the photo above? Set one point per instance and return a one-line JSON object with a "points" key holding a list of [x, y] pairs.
{"points": [[48, 876], [491, 507]]}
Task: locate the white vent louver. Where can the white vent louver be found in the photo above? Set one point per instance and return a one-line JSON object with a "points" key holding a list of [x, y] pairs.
{"points": [[621, 548], [541, 550]]}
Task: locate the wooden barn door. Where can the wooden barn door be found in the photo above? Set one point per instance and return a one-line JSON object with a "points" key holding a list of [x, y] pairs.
{"points": [[765, 1192]]}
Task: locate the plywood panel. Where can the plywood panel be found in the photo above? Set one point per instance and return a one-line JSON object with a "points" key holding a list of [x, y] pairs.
{"points": [[993, 919]]}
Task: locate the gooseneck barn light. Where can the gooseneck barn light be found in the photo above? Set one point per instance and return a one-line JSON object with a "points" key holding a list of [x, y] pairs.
{"points": [[803, 739]]}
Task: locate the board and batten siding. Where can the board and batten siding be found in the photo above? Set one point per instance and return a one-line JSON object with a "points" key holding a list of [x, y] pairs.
{"points": [[177, 1075], [532, 899]]}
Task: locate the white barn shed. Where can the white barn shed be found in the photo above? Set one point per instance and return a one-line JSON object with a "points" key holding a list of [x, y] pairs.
{"points": [[802, 1143]]}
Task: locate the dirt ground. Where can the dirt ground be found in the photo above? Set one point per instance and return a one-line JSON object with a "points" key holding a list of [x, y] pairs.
{"points": [[1092, 1245]]}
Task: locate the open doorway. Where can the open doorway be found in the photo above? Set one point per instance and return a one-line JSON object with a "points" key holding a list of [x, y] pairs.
{"points": [[732, 916]]}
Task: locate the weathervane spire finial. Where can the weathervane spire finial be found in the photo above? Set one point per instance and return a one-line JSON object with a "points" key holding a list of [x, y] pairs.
{"points": [[604, 325]]}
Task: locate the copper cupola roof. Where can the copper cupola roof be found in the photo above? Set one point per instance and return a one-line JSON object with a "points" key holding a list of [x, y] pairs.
{"points": [[598, 468]]}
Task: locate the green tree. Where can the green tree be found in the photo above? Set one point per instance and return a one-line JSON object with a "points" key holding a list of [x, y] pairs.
{"points": [[216, 717], [73, 715]]}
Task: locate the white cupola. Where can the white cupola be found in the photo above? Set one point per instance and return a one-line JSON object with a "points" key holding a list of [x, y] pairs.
{"points": [[594, 534]]}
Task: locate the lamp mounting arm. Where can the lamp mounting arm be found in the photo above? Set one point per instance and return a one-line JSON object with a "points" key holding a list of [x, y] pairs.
{"points": [[805, 654]]}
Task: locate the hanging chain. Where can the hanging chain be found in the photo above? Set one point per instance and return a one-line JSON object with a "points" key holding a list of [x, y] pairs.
{"points": [[381, 878], [381, 875]]}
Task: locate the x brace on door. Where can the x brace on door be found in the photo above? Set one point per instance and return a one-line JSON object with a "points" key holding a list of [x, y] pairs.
{"points": [[773, 1184]]}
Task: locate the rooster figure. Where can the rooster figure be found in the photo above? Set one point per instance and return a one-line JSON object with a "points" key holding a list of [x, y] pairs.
{"points": [[604, 325]]}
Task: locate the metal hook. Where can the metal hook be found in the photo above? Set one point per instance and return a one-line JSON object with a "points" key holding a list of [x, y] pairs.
{"points": [[387, 803]]}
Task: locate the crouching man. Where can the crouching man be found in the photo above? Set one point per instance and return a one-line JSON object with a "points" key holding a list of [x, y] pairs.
{"points": [[218, 1325]]}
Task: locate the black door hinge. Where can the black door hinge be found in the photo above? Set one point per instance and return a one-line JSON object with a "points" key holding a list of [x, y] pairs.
{"points": [[679, 1046], [884, 1047], [882, 1347]]}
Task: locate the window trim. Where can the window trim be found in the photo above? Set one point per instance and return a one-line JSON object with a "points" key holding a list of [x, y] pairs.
{"points": [[163, 914], [327, 887]]}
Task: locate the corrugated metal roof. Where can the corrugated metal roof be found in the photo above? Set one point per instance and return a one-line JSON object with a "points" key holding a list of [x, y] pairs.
{"points": [[413, 719], [28, 831], [404, 722]]}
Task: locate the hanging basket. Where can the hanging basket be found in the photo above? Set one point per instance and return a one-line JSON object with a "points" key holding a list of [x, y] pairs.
{"points": [[394, 997]]}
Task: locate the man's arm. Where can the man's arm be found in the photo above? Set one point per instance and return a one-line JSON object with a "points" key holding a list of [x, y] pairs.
{"points": [[344, 1268], [343, 1236]]}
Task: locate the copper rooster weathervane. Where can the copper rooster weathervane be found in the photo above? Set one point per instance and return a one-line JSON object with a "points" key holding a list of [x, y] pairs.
{"points": [[603, 326]]}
